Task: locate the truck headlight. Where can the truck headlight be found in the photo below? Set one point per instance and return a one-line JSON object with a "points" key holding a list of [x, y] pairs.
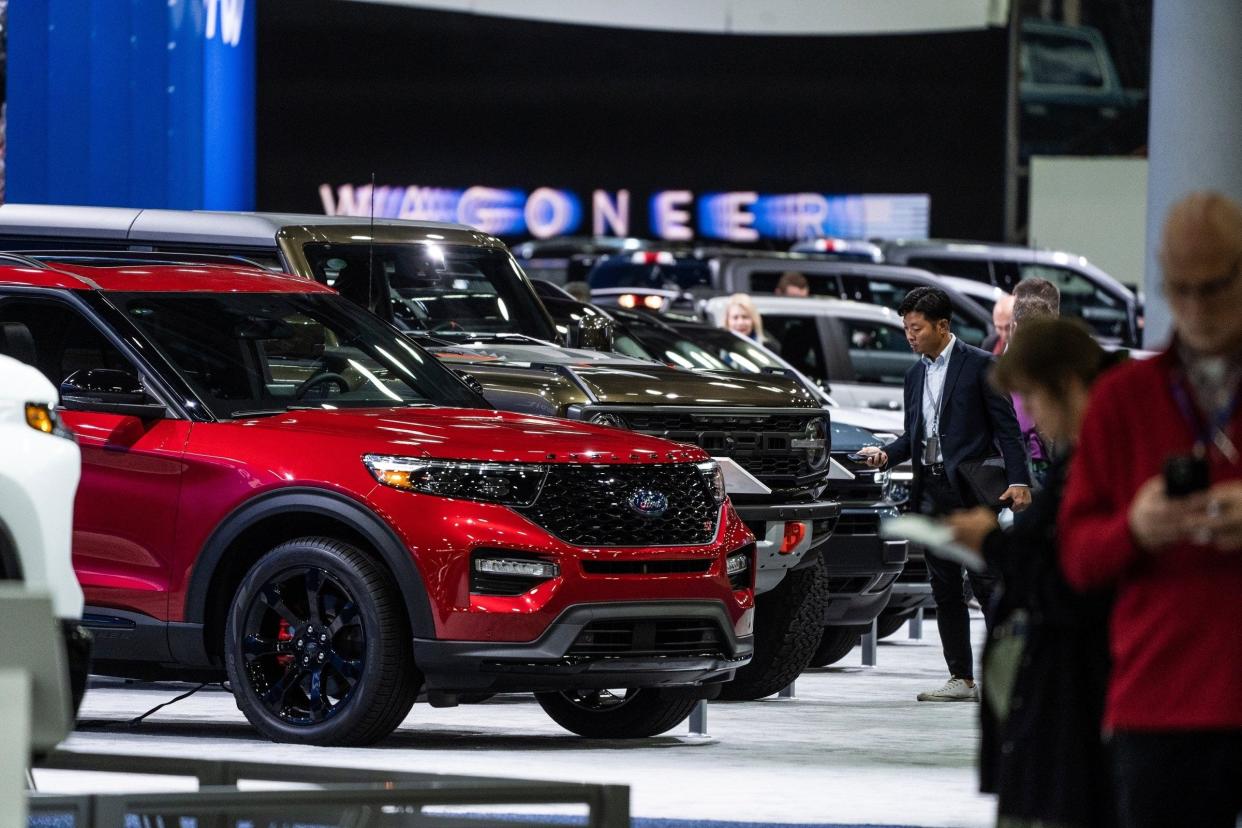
{"points": [[714, 477], [511, 484], [604, 418], [815, 442]]}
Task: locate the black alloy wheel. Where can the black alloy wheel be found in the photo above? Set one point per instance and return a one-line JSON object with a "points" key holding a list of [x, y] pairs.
{"points": [[317, 646], [619, 714]]}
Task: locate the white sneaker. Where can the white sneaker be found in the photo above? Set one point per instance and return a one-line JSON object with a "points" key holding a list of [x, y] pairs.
{"points": [[954, 690]]}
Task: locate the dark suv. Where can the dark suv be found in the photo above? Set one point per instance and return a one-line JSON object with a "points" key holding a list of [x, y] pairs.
{"points": [[278, 487]]}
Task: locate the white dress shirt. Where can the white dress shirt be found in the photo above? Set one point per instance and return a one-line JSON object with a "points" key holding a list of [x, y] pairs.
{"points": [[935, 372]]}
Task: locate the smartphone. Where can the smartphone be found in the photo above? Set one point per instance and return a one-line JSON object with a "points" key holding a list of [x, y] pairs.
{"points": [[858, 457], [1186, 474]]}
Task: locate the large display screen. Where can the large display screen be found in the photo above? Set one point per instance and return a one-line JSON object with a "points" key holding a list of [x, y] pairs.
{"points": [[528, 128]]}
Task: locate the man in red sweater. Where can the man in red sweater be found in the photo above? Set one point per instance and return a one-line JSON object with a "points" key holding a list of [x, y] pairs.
{"points": [[1174, 706]]}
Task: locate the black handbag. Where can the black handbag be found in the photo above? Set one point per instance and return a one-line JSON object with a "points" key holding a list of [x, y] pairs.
{"points": [[986, 479]]}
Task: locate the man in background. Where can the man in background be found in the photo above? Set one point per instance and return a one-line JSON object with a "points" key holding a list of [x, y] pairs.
{"points": [[1002, 324], [953, 418], [793, 284]]}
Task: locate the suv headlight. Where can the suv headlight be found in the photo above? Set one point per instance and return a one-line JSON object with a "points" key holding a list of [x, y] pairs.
{"points": [[714, 476], [42, 417], [815, 440], [511, 484]]}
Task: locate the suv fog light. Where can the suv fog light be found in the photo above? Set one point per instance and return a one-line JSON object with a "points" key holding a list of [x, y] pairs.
{"points": [[736, 563], [795, 531], [517, 567]]}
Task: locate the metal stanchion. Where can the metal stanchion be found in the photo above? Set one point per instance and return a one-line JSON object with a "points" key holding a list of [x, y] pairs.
{"points": [[916, 625], [698, 719], [787, 692], [868, 645]]}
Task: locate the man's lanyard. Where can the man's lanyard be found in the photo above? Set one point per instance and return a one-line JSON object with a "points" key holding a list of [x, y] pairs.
{"points": [[936, 403], [1208, 433]]}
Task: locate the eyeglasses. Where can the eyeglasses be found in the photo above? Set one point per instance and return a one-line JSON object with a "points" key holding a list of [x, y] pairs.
{"points": [[1208, 291]]}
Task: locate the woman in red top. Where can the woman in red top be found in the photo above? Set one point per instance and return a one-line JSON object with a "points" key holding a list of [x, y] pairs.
{"points": [[1174, 705]]}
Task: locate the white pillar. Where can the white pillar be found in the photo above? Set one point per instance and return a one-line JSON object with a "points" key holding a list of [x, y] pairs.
{"points": [[1196, 121]]}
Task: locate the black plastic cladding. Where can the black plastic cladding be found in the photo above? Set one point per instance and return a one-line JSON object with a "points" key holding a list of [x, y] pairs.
{"points": [[588, 505], [666, 637]]}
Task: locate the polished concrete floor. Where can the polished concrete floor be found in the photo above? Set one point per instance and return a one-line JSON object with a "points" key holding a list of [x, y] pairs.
{"points": [[853, 747]]}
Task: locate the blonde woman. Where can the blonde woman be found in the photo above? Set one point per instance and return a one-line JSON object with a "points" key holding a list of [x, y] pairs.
{"points": [[743, 318]]}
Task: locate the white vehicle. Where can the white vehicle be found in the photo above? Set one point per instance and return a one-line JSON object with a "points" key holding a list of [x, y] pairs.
{"points": [[858, 352], [39, 470]]}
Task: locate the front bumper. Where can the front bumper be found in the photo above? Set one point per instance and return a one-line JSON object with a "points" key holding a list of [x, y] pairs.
{"points": [[861, 566], [571, 656], [912, 590], [767, 522]]}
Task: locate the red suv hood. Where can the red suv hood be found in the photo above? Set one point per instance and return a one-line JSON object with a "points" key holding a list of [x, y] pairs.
{"points": [[478, 434]]}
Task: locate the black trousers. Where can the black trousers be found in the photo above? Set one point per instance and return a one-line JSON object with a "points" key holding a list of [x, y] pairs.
{"points": [[1178, 778], [952, 615]]}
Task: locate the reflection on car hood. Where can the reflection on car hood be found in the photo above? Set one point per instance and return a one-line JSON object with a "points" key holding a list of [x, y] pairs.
{"points": [[475, 434], [872, 419], [614, 379]]}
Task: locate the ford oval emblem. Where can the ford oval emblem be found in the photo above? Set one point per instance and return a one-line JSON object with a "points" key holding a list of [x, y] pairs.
{"points": [[649, 502]]}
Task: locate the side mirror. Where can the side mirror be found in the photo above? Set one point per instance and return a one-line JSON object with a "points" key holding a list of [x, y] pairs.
{"points": [[108, 391], [471, 381], [591, 333]]}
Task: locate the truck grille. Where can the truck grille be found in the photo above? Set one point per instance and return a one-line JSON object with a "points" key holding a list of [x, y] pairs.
{"points": [[666, 637], [589, 505], [759, 443]]}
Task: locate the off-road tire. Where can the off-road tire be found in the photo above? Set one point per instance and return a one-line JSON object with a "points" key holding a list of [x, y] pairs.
{"points": [[385, 679], [643, 713], [788, 623], [835, 644], [890, 622]]}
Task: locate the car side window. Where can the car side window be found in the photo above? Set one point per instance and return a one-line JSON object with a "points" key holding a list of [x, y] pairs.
{"points": [[800, 343], [56, 339], [821, 284], [878, 352], [1083, 299]]}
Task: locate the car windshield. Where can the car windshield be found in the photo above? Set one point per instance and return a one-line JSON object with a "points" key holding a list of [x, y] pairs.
{"points": [[249, 354], [670, 347], [451, 291], [734, 351], [622, 273]]}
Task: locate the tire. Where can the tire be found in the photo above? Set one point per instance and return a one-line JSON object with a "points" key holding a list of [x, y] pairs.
{"points": [[889, 623], [353, 685], [619, 714], [788, 623], [835, 644]]}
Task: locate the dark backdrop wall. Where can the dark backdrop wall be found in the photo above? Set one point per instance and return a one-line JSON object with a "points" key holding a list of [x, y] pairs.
{"points": [[453, 100]]}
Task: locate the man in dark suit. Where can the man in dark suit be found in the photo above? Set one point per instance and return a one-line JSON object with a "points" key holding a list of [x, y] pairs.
{"points": [[953, 417]]}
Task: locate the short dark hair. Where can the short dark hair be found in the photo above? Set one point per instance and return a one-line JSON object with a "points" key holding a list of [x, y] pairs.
{"points": [[791, 278], [932, 302], [1030, 306], [1044, 289]]}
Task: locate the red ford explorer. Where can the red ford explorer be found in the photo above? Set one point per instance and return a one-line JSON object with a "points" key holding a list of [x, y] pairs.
{"points": [[277, 486]]}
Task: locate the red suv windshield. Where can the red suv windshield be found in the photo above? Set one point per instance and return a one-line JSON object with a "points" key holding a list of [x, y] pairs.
{"points": [[258, 353]]}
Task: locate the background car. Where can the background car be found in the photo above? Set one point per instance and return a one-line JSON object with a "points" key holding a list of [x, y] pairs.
{"points": [[1111, 309], [40, 467]]}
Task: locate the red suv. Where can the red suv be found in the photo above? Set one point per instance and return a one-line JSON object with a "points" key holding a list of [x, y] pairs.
{"points": [[278, 486]]}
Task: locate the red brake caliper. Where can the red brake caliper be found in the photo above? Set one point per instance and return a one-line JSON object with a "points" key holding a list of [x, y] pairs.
{"points": [[284, 634]]}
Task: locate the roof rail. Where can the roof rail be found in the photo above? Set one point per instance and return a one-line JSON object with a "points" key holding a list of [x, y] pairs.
{"points": [[42, 257], [21, 259]]}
